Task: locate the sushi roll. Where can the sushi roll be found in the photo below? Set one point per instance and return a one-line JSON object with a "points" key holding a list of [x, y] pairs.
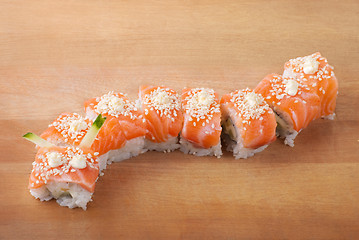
{"points": [[317, 74], [123, 134], [163, 117], [69, 129], [294, 103], [248, 123], [65, 173], [201, 132]]}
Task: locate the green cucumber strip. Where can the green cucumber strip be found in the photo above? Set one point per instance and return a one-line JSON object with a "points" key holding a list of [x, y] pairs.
{"points": [[37, 140], [92, 132]]}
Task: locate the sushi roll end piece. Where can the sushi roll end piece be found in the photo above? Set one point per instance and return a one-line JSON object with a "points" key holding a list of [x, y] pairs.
{"points": [[248, 123], [318, 75], [67, 174]]}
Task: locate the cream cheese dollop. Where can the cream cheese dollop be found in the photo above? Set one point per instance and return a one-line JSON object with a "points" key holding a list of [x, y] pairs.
{"points": [[116, 104], [162, 98], [204, 98], [252, 99], [291, 87], [310, 65], [54, 159], [78, 161], [77, 126]]}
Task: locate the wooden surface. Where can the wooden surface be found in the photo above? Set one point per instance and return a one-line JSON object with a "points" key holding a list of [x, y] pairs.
{"points": [[55, 55]]}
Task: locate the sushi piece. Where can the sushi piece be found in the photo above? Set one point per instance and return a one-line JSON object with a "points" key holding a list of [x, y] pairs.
{"points": [[201, 130], [163, 117], [248, 123], [123, 134], [66, 173], [68, 129], [294, 103], [317, 74]]}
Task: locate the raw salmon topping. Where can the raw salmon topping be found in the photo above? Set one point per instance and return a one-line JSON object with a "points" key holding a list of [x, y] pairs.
{"points": [[56, 163], [249, 104], [313, 67], [166, 102], [72, 126], [286, 87], [115, 104], [315, 71], [201, 104]]}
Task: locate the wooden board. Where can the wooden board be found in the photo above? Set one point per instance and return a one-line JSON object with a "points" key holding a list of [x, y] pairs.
{"points": [[56, 54]]}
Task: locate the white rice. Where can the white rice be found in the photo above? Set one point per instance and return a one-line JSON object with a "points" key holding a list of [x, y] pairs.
{"points": [[132, 148], [69, 195], [239, 151], [329, 117], [289, 138], [170, 145], [285, 130], [188, 148], [102, 163]]}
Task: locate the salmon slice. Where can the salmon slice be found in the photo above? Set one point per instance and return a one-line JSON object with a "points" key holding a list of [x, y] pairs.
{"points": [[317, 74], [292, 98], [162, 112], [252, 119], [67, 129], [65, 164], [124, 121], [202, 117]]}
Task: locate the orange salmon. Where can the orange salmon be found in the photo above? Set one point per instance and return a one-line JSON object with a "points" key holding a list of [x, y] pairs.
{"points": [[317, 74]]}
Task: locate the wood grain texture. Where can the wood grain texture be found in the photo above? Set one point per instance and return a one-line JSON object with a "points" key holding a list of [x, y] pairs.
{"points": [[56, 54]]}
